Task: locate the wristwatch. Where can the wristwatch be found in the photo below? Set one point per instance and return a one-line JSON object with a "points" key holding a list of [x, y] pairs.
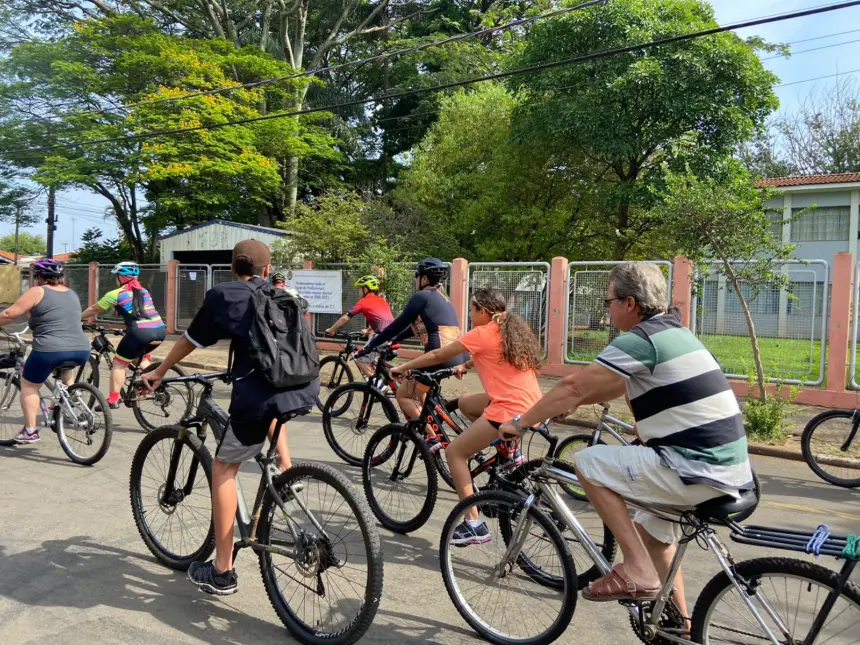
{"points": [[516, 423]]}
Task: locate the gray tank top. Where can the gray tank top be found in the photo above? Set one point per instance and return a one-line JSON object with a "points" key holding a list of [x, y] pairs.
{"points": [[56, 323]]}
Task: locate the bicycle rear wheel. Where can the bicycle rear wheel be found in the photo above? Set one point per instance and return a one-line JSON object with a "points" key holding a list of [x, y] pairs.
{"points": [[498, 599], [83, 428], [167, 405], [169, 488], [399, 479], [794, 589], [11, 417], [363, 409], [329, 592], [831, 447]]}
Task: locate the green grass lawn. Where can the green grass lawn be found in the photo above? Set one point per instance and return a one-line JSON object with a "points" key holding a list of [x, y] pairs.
{"points": [[782, 358]]}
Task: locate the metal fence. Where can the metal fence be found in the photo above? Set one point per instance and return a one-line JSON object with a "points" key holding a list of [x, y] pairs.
{"points": [[525, 286], [77, 278], [153, 277], [588, 330], [192, 283], [854, 383], [790, 322]]}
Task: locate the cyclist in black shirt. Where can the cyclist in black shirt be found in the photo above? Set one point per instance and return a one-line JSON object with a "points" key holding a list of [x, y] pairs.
{"points": [[433, 320], [255, 405]]}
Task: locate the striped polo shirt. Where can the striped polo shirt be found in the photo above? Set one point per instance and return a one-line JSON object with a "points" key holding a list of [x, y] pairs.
{"points": [[683, 404]]}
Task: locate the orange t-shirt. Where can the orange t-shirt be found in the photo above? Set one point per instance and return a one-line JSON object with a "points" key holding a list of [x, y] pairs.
{"points": [[511, 391]]}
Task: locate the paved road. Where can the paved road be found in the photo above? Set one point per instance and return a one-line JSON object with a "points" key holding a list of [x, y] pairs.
{"points": [[73, 569]]}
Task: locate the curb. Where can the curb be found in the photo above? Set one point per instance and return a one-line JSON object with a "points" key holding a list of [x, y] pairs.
{"points": [[774, 451], [203, 366]]}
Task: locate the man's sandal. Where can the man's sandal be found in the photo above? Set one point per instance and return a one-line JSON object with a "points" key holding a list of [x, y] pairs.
{"points": [[616, 586]]}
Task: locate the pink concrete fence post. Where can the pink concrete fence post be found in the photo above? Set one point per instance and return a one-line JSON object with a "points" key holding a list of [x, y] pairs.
{"points": [[840, 321], [170, 305], [557, 323], [682, 289], [93, 287], [460, 289]]}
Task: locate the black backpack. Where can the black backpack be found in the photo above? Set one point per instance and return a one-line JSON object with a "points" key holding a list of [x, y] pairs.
{"points": [[279, 340]]}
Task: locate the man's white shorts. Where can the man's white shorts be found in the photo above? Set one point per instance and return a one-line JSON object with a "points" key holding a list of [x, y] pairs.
{"points": [[638, 474]]}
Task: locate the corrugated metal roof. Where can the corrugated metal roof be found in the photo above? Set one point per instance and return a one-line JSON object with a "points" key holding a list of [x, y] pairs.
{"points": [[279, 232]]}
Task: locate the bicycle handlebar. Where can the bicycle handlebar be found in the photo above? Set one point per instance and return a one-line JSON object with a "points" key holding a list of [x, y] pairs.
{"points": [[16, 335], [353, 335], [202, 379], [102, 330], [431, 378]]}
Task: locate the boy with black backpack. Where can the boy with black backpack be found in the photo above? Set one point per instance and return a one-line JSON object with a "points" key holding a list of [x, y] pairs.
{"points": [[275, 371]]}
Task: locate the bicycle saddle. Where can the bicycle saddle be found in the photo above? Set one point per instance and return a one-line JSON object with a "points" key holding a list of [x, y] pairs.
{"points": [[67, 365], [719, 508]]}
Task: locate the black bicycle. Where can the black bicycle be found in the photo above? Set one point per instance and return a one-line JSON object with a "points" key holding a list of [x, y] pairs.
{"points": [[166, 405], [334, 369], [319, 551], [831, 447], [354, 410]]}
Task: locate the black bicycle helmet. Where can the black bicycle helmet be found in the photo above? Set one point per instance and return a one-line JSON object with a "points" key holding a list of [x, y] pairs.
{"points": [[435, 270]]}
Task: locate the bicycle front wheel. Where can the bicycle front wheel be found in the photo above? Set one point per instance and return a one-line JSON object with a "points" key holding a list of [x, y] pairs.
{"points": [[499, 598], [399, 479], [334, 372], [83, 423], [329, 590], [362, 410], [11, 417], [566, 451], [831, 447], [169, 489], [793, 589], [167, 405]]}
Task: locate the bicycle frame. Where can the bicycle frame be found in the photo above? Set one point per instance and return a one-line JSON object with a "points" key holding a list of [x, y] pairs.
{"points": [[548, 473], [210, 414]]}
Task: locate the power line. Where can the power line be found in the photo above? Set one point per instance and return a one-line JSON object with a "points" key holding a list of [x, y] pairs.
{"points": [[819, 78], [313, 72], [813, 49], [525, 70]]}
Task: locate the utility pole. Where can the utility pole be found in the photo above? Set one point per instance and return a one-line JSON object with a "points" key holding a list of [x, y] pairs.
{"points": [[17, 224], [74, 240], [65, 247], [52, 194]]}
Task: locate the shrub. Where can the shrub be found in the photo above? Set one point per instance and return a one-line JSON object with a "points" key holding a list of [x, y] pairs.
{"points": [[767, 421]]}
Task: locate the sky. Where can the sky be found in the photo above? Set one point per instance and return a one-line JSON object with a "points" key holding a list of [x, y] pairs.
{"points": [[78, 210]]}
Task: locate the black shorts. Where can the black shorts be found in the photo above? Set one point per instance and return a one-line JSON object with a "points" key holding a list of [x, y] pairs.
{"points": [[139, 342]]}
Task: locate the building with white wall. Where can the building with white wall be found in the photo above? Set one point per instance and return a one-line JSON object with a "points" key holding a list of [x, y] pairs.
{"points": [[212, 242]]}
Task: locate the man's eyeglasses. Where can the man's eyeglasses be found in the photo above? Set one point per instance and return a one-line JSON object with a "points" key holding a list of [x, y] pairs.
{"points": [[609, 301]]}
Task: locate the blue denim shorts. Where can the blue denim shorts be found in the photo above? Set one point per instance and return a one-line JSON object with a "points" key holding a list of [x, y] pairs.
{"points": [[39, 365]]}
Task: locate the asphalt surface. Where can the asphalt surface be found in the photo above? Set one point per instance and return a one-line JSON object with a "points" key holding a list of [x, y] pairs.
{"points": [[74, 570]]}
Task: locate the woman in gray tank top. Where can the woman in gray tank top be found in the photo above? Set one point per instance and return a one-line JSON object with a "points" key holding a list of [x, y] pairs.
{"points": [[55, 312]]}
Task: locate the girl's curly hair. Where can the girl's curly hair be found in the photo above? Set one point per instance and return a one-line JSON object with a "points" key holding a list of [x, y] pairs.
{"points": [[520, 348]]}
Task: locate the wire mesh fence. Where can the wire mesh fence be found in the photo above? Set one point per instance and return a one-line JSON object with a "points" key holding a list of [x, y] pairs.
{"points": [[854, 364], [525, 287], [192, 283], [588, 328], [77, 278], [220, 273], [789, 319], [153, 277]]}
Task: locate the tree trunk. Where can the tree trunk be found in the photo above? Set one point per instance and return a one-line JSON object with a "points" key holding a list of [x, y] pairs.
{"points": [[17, 226], [759, 369], [622, 223]]}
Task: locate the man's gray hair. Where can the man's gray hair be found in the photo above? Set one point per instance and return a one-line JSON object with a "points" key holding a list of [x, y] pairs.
{"points": [[642, 281]]}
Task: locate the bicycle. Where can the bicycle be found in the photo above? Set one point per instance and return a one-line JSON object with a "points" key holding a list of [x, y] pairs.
{"points": [[393, 453], [335, 370], [347, 434], [166, 405], [569, 446], [740, 604], [298, 525], [83, 436], [831, 448]]}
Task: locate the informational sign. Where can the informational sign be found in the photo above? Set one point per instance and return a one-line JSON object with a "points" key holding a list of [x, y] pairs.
{"points": [[322, 289]]}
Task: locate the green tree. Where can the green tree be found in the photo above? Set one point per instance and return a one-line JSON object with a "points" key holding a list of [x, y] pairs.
{"points": [[94, 249], [629, 113], [483, 193], [722, 218], [28, 243], [234, 172]]}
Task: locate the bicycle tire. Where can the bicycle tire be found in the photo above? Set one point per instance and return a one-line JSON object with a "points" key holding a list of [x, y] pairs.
{"points": [[809, 455], [340, 369], [10, 426], [182, 390], [198, 451], [480, 625], [582, 438], [746, 514], [398, 442], [311, 634], [89, 393], [755, 570], [609, 546], [370, 396]]}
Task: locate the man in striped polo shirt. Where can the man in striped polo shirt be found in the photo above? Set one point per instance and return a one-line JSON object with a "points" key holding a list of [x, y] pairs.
{"points": [[688, 420]]}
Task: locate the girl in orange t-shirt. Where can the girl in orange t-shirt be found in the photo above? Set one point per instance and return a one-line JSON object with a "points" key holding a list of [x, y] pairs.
{"points": [[506, 355]]}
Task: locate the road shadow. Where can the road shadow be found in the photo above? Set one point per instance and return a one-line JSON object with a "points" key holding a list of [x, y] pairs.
{"points": [[31, 453], [794, 488]]}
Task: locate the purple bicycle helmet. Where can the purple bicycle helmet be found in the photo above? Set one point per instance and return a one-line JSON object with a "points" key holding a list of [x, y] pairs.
{"points": [[47, 268]]}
